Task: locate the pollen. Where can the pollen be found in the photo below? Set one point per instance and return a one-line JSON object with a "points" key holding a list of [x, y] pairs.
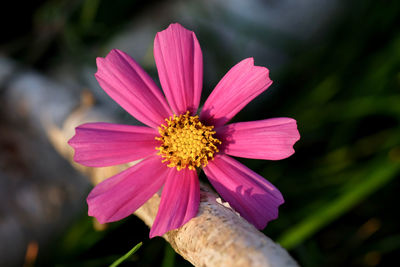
{"points": [[187, 142]]}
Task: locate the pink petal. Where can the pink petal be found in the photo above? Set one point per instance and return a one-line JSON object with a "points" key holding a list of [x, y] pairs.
{"points": [[271, 139], [180, 67], [256, 199], [132, 88], [106, 144], [236, 89], [119, 196], [180, 201]]}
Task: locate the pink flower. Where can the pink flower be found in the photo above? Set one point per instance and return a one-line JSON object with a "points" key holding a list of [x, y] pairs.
{"points": [[178, 142]]}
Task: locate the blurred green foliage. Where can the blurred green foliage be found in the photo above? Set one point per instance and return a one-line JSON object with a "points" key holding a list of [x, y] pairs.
{"points": [[342, 183]]}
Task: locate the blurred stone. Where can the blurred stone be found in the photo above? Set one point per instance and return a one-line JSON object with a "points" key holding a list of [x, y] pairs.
{"points": [[40, 193], [7, 68], [35, 96]]}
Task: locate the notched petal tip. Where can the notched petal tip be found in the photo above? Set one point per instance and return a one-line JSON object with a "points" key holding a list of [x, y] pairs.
{"points": [[116, 54], [99, 61], [176, 25], [113, 52], [153, 233], [249, 61], [173, 27], [296, 134], [251, 64], [98, 217], [71, 141]]}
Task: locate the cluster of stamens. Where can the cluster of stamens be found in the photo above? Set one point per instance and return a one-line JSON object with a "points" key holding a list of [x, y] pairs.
{"points": [[186, 142]]}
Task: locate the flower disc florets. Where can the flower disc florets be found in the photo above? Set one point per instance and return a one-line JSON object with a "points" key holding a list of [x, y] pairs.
{"points": [[186, 142]]}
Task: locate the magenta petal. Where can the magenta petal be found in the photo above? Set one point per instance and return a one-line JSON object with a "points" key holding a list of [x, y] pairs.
{"points": [[180, 67], [237, 88], [106, 144], [256, 199], [132, 88], [119, 196], [271, 139], [180, 201]]}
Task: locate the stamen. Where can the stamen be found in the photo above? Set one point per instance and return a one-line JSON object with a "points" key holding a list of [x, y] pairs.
{"points": [[186, 142]]}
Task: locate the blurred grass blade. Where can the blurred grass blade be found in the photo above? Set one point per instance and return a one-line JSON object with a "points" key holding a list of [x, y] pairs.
{"points": [[88, 13], [169, 256], [378, 174], [127, 255]]}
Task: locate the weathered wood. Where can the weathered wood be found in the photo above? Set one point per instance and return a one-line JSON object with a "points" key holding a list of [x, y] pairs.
{"points": [[217, 236]]}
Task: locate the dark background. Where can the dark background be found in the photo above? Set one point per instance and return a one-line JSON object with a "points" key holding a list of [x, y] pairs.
{"points": [[336, 69]]}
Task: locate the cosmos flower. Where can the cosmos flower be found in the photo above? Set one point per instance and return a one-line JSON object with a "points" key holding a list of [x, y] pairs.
{"points": [[177, 143]]}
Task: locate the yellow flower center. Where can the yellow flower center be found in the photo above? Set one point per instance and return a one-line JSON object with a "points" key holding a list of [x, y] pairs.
{"points": [[186, 142]]}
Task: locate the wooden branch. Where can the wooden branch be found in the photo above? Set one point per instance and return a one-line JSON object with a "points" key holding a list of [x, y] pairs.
{"points": [[217, 236]]}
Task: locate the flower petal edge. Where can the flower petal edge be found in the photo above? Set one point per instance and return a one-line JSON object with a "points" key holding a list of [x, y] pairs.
{"points": [[237, 88], [256, 199]]}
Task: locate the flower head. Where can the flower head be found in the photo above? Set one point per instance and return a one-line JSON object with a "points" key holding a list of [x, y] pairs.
{"points": [[186, 142], [177, 142]]}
